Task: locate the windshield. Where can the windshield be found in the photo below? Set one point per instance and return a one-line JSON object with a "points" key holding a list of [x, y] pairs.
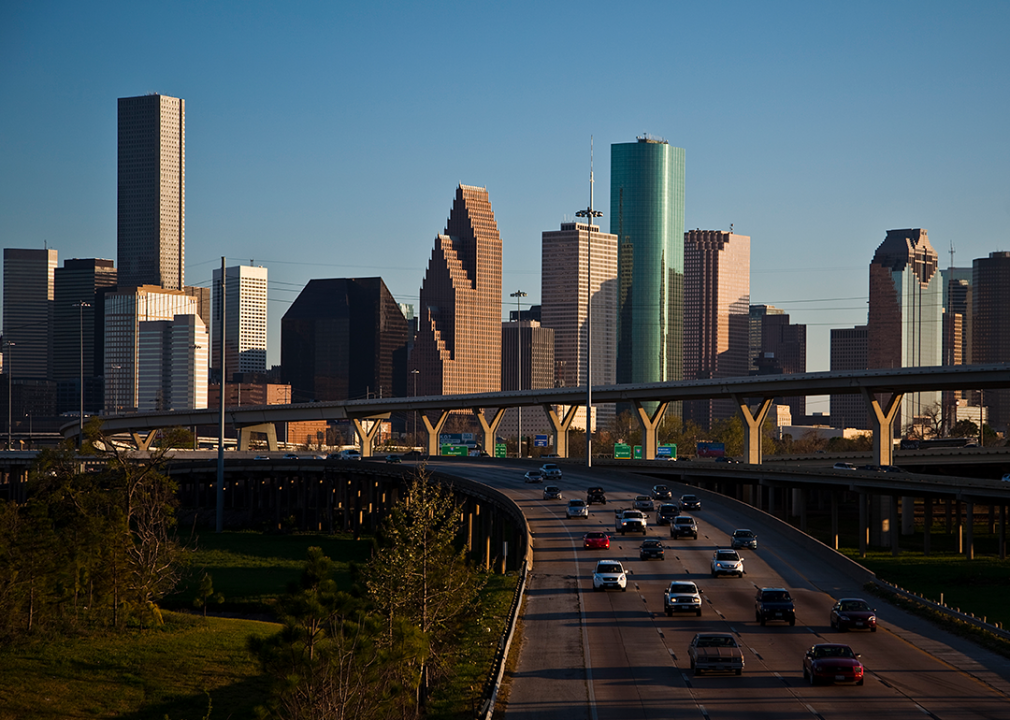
{"points": [[743, 534], [608, 568], [839, 651], [855, 605], [776, 596], [683, 588], [727, 555], [576, 503], [716, 641]]}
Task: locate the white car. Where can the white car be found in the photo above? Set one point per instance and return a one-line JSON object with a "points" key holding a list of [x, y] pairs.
{"points": [[610, 574], [727, 562], [577, 509]]}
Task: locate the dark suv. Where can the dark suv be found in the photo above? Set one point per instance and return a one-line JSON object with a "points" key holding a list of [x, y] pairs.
{"points": [[596, 495], [774, 604], [684, 526], [666, 512]]}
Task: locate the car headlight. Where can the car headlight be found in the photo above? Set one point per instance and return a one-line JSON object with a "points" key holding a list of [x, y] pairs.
{"points": [[872, 618]]}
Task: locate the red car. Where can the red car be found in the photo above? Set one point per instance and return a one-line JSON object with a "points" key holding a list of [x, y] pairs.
{"points": [[853, 614], [596, 541], [832, 663]]}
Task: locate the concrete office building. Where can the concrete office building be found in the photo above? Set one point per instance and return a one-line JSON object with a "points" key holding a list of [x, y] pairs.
{"points": [[125, 309], [28, 312], [172, 360], [778, 347], [151, 224], [566, 290], [647, 216], [458, 344], [905, 317], [525, 367], [991, 328], [848, 352], [79, 289], [716, 315], [344, 339], [245, 323]]}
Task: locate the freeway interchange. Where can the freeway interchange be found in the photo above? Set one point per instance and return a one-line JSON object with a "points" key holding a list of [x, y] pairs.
{"points": [[585, 654]]}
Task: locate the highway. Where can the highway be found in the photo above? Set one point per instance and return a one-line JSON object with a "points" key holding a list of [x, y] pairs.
{"points": [[602, 655]]}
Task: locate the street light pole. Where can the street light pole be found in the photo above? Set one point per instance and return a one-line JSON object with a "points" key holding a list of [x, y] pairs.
{"points": [[519, 369], [80, 317], [415, 372], [589, 213]]}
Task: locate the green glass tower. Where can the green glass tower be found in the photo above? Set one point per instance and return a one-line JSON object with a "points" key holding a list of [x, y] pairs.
{"points": [[647, 215]]}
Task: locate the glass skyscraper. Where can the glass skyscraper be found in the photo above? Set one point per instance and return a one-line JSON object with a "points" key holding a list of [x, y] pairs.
{"points": [[647, 215]]}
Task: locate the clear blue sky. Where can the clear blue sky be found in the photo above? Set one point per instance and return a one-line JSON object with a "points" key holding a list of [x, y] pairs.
{"points": [[326, 139]]}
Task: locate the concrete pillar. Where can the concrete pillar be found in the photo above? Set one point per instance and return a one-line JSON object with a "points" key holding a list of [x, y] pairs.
{"points": [[803, 509], [959, 527], [752, 423], [927, 531], [834, 519], [560, 425], [880, 520], [969, 526], [490, 427], [907, 516], [366, 434], [1002, 531], [991, 525], [650, 426], [864, 528], [893, 523], [245, 435], [143, 442], [434, 430], [883, 426], [948, 502]]}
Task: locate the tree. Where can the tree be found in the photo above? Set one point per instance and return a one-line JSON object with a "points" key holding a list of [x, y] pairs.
{"points": [[205, 593]]}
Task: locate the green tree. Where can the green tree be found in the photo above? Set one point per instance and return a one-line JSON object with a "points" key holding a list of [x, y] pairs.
{"points": [[205, 593]]}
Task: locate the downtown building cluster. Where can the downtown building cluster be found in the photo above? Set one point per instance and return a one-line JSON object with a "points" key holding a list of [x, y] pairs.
{"points": [[665, 305]]}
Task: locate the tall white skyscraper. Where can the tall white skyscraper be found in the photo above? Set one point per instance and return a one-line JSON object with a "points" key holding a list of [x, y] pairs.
{"points": [[151, 224], [565, 292], [245, 319]]}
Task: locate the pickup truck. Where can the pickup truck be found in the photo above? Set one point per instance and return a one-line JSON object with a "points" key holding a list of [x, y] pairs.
{"points": [[715, 651], [682, 596], [630, 521], [596, 495]]}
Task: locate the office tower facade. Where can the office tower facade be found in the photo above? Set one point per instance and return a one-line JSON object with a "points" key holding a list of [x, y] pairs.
{"points": [[778, 347], [344, 339], [28, 312], [849, 352], [79, 289], [458, 344], [716, 315], [527, 365], [172, 362], [991, 331], [566, 291], [151, 223], [125, 309], [647, 216], [245, 321], [905, 315]]}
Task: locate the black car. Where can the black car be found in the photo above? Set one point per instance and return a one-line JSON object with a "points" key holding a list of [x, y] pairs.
{"points": [[661, 492], [684, 526], [774, 604], [596, 495], [651, 549], [666, 512], [690, 502]]}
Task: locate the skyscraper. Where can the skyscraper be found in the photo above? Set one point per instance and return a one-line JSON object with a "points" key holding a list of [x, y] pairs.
{"points": [[647, 215], [905, 318], [565, 291], [28, 312], [716, 315], [778, 347], [848, 352], [245, 324], [172, 360], [458, 344], [152, 191], [991, 329]]}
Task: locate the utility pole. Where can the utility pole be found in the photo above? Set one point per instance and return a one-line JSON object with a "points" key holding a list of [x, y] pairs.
{"points": [[519, 369], [589, 213]]}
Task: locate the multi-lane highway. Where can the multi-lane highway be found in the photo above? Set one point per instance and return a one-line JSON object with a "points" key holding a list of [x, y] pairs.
{"points": [[586, 654]]}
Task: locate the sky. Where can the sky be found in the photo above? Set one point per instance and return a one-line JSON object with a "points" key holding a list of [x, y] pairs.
{"points": [[326, 139]]}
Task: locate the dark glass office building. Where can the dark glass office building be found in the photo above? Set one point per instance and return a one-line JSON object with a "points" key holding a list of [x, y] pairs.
{"points": [[344, 339], [647, 215]]}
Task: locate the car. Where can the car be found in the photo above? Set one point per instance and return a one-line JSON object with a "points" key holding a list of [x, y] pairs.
{"points": [[394, 459], [666, 512], [534, 476], [843, 466], [715, 651], [727, 562], [832, 663], [630, 521], [661, 492], [727, 459], [853, 614], [773, 603], [262, 457], [550, 455], [643, 503], [349, 455], [870, 468], [690, 502], [577, 508], [596, 541], [743, 538], [682, 596], [290, 456], [892, 468], [552, 492], [610, 574], [551, 471], [650, 549], [1006, 478], [684, 526], [596, 495]]}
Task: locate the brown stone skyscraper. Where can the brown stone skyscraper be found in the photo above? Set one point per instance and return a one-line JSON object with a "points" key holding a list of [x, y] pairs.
{"points": [[458, 345]]}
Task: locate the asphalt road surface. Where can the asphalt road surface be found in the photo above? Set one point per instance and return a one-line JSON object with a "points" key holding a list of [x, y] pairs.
{"points": [[601, 655]]}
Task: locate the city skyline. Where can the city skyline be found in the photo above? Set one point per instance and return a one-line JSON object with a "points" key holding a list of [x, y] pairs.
{"points": [[806, 122]]}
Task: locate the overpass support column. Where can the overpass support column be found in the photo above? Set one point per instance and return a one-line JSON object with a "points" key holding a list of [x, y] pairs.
{"points": [[908, 515], [927, 522], [969, 531], [752, 428], [802, 502], [245, 435], [883, 426], [834, 519], [434, 430], [864, 527], [489, 428], [559, 427], [143, 442], [650, 426], [892, 523], [1002, 531], [366, 435]]}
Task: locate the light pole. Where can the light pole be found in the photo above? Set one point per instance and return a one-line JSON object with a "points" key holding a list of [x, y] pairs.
{"points": [[415, 372], [8, 367], [589, 213], [80, 317], [519, 368]]}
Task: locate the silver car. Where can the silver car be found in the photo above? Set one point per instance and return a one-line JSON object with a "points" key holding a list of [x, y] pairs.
{"points": [[727, 562], [577, 509]]}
